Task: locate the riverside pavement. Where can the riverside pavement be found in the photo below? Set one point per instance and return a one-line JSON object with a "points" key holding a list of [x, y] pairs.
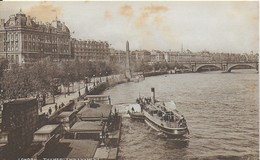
{"points": [[64, 98]]}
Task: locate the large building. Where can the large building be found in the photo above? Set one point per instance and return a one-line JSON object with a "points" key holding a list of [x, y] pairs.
{"points": [[157, 56], [19, 122], [179, 57], [140, 56], [117, 56], [90, 50], [23, 40]]}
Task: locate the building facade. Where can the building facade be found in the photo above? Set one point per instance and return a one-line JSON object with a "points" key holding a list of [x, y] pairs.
{"points": [[23, 40], [90, 50], [117, 56], [140, 56], [157, 56]]}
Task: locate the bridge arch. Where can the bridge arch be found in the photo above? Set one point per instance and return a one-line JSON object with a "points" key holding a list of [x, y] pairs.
{"points": [[255, 66], [207, 65]]}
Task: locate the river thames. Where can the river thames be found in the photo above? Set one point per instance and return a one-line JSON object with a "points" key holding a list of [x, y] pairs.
{"points": [[221, 110]]}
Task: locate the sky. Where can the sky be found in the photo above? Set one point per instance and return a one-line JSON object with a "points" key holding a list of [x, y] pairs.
{"points": [[214, 26]]}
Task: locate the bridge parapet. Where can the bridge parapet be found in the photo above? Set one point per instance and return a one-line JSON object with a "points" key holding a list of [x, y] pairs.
{"points": [[224, 66]]}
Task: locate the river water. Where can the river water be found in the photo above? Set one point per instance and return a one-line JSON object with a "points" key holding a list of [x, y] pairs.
{"points": [[221, 110]]}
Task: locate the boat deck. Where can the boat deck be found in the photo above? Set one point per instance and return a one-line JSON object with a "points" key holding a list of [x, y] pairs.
{"points": [[160, 121], [163, 116]]}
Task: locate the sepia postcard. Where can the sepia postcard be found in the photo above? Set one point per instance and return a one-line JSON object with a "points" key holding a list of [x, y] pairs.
{"points": [[129, 80]]}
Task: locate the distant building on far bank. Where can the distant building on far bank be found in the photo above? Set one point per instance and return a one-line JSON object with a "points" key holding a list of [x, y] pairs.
{"points": [[140, 56], [19, 122], [117, 56], [23, 40]]}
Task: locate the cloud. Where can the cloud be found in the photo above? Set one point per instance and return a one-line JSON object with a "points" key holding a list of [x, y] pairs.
{"points": [[157, 21], [126, 11], [107, 15], [44, 11], [155, 9], [147, 12]]}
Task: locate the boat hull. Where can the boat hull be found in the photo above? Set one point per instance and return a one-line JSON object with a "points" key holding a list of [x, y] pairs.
{"points": [[137, 115], [154, 123]]}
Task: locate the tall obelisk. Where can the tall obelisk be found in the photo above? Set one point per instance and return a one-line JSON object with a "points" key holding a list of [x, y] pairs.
{"points": [[127, 65]]}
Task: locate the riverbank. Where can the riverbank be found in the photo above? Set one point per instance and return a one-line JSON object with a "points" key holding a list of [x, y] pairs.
{"points": [[76, 103]]}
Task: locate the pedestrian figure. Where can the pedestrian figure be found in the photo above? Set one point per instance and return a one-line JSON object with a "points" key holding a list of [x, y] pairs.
{"points": [[56, 107], [102, 118], [62, 104], [109, 100], [79, 93], [181, 121], [103, 136], [40, 107], [44, 99], [133, 109], [50, 110]]}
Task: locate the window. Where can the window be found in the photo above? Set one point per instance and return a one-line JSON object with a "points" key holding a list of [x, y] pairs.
{"points": [[17, 58], [12, 58]]}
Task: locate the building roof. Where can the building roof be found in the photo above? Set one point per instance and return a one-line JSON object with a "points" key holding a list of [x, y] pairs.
{"points": [[72, 148], [47, 129], [20, 101], [85, 126], [102, 111], [104, 153], [93, 96], [65, 114], [21, 20]]}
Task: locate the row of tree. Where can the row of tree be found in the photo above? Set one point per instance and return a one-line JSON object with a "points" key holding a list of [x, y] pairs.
{"points": [[146, 67], [41, 77]]}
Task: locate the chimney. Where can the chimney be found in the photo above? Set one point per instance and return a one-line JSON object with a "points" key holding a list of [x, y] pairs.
{"points": [[2, 23], [34, 19], [153, 95], [63, 26], [127, 46], [28, 22]]}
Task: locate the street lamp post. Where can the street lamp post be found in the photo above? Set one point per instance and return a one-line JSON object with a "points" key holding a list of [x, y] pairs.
{"points": [[68, 83], [106, 77], [79, 82], [86, 87], [94, 80], [53, 89]]}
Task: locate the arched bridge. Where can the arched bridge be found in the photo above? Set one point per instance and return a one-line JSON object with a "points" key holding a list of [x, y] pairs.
{"points": [[224, 66]]}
